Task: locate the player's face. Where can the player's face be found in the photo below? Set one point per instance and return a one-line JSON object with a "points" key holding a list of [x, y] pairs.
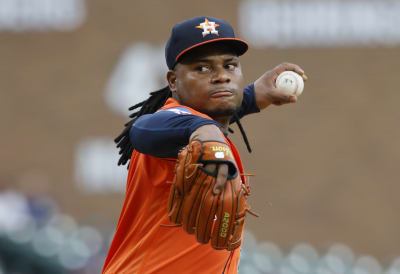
{"points": [[209, 80]]}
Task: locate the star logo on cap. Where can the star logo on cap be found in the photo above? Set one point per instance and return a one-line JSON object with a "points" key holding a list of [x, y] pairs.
{"points": [[208, 27]]}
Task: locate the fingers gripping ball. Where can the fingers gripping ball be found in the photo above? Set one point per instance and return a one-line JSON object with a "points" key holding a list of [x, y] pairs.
{"points": [[192, 204], [290, 82]]}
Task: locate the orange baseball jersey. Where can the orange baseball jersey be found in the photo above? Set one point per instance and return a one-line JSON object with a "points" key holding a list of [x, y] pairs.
{"points": [[141, 244]]}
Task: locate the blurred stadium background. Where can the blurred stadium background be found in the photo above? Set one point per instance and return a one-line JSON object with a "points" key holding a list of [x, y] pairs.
{"points": [[327, 183]]}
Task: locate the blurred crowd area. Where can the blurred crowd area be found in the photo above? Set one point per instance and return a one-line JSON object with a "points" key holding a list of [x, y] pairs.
{"points": [[304, 258], [37, 238]]}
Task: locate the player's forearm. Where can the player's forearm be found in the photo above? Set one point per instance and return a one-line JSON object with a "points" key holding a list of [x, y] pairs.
{"points": [[208, 132], [249, 105], [164, 133], [262, 98]]}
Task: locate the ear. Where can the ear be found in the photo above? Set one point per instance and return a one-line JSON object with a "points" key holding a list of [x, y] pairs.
{"points": [[171, 78]]}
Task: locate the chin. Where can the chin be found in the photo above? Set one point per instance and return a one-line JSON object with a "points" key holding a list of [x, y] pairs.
{"points": [[221, 112], [221, 108]]}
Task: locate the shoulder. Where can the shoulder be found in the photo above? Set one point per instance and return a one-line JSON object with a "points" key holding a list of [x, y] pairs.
{"points": [[176, 110], [174, 106]]}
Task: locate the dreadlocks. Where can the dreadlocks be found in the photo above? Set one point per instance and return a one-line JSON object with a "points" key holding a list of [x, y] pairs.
{"points": [[152, 104], [156, 100]]}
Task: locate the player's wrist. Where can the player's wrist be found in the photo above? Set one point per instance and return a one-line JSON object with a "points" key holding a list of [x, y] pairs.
{"points": [[262, 98], [208, 132]]}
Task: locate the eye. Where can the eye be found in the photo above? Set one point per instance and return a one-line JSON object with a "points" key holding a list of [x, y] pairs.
{"points": [[231, 66], [203, 68]]}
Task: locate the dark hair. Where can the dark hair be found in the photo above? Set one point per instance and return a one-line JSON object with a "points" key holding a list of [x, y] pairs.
{"points": [[156, 100]]}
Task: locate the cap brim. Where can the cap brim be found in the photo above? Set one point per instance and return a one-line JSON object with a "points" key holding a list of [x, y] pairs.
{"points": [[239, 46]]}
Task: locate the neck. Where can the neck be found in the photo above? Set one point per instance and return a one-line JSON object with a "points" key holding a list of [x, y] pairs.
{"points": [[224, 122]]}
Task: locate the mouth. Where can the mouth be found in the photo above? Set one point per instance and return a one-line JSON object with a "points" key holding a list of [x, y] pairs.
{"points": [[221, 93]]}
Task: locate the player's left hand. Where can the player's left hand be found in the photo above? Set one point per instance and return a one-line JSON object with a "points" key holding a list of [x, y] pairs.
{"points": [[216, 216], [265, 88], [222, 175]]}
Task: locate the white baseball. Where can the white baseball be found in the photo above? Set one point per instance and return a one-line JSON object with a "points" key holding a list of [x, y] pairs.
{"points": [[290, 82]]}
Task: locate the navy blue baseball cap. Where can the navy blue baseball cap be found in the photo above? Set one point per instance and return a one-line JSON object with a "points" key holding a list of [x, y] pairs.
{"points": [[198, 31]]}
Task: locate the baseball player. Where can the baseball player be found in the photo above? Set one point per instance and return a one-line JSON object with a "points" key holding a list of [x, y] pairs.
{"points": [[186, 189]]}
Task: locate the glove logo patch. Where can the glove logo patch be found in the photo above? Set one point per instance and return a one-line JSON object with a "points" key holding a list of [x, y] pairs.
{"points": [[219, 155], [225, 225], [221, 149]]}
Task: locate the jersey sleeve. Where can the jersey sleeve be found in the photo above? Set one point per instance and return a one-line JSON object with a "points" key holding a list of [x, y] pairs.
{"points": [[164, 133], [249, 102]]}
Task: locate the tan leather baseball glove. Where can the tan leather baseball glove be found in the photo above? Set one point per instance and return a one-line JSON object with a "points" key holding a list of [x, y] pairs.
{"points": [[193, 204]]}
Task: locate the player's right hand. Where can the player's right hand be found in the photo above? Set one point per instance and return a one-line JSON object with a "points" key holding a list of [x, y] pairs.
{"points": [[265, 88]]}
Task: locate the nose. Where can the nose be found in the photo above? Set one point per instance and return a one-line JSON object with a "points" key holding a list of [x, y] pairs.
{"points": [[220, 75]]}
